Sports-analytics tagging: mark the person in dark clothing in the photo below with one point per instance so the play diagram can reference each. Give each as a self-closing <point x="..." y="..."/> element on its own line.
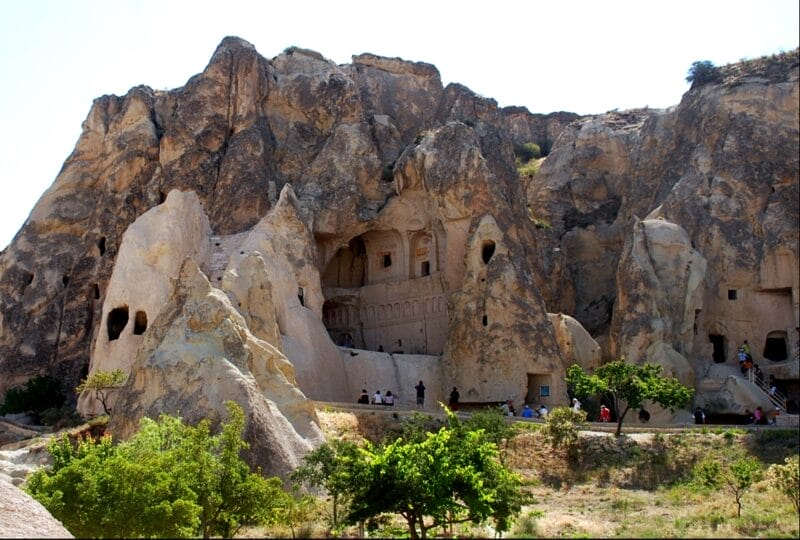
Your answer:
<point x="699" y="416"/>
<point x="420" y="388"/>
<point x="453" y="403"/>
<point x="364" y="397"/>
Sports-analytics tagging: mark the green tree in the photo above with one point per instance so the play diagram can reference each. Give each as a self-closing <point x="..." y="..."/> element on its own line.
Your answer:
<point x="452" y="476"/>
<point x="629" y="385"/>
<point x="39" y="393"/>
<point x="168" y="480"/>
<point x="333" y="466"/>
<point x="703" y="72"/>
<point x="102" y="383"/>
<point x="737" y="477"/>
<point x="786" y="479"/>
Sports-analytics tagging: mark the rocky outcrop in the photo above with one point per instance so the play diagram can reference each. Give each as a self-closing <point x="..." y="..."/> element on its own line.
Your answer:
<point x="22" y="516"/>
<point x="197" y="355"/>
<point x="367" y="206"/>
<point x="680" y="226"/>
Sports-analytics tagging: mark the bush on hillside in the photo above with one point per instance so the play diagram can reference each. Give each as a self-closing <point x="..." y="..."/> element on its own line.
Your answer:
<point x="39" y="393"/>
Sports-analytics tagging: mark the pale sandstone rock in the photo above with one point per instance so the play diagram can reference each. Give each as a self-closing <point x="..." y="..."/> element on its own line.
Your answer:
<point x="285" y="244"/>
<point x="576" y="344"/>
<point x="22" y="516"/>
<point x="152" y="252"/>
<point x="399" y="373"/>
<point x="199" y="354"/>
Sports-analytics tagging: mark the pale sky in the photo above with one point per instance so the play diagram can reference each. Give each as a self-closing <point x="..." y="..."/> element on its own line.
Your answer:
<point x="583" y="56"/>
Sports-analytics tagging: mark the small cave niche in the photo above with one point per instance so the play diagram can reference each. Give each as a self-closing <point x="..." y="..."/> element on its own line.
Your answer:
<point x="101" y="245"/>
<point x="485" y="320"/>
<point x="487" y="251"/>
<point x="718" y="342"/>
<point x="425" y="269"/>
<point x="301" y="296"/>
<point x="775" y="348"/>
<point x="386" y="260"/>
<point x="96" y="291"/>
<point x="65" y="280"/>
<point x="139" y="323"/>
<point x="731" y="294"/>
<point x="116" y="322"/>
<point x="27" y="279"/>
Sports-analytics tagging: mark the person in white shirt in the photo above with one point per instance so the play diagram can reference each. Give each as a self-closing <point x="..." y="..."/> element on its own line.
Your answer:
<point x="576" y="405"/>
<point x="543" y="412"/>
<point x="377" y="399"/>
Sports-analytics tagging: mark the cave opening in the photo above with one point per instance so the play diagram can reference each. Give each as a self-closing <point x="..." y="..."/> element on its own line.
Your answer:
<point x="719" y="343"/>
<point x="116" y="322"/>
<point x="775" y="347"/>
<point x="139" y="323"/>
<point x="487" y="251"/>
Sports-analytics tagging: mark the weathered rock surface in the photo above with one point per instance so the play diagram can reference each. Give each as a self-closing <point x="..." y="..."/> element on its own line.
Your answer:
<point x="22" y="516"/>
<point x="680" y="227"/>
<point x="368" y="206"/>
<point x="197" y="355"/>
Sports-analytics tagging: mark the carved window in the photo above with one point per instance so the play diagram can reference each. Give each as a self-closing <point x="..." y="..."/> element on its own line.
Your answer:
<point x="487" y="251"/>
<point x="117" y="321"/>
<point x="139" y="323"/>
<point x="386" y="260"/>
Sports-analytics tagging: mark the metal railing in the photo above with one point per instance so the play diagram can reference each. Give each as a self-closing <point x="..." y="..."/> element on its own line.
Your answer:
<point x="776" y="397"/>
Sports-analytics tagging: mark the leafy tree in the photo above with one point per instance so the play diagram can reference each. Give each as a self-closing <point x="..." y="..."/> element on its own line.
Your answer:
<point x="452" y="476"/>
<point x="168" y="480"/>
<point x="492" y="423"/>
<point x="629" y="384"/>
<point x="38" y="394"/>
<point x="703" y="72"/>
<point x="102" y="383"/>
<point x="333" y="467"/>
<point x="737" y="477"/>
<point x="786" y="479"/>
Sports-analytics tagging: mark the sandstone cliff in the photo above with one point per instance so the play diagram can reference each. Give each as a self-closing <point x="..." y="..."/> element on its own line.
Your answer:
<point x="368" y="207"/>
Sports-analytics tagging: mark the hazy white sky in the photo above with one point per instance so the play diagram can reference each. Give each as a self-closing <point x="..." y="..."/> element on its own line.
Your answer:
<point x="584" y="56"/>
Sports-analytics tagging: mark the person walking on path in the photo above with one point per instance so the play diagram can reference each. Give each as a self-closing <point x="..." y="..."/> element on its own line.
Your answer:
<point x="420" y="388"/>
<point x="576" y="405"/>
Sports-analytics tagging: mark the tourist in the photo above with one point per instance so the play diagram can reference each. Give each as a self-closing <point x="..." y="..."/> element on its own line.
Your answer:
<point x="420" y="388"/>
<point x="527" y="412"/>
<point x="605" y="414"/>
<point x="576" y="405"/>
<point x="364" y="397"/>
<point x="388" y="399"/>
<point x="543" y="412"/>
<point x="453" y="401"/>
<point x="760" y="417"/>
<point x="377" y="399"/>
<point x="699" y="416"/>
<point x="748" y="417"/>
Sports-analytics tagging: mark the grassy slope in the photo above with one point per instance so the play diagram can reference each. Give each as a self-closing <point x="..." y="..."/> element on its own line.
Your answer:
<point x="637" y="486"/>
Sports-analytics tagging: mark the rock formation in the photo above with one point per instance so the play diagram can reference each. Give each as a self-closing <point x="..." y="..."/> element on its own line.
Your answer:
<point x="22" y="516"/>
<point x="301" y="230"/>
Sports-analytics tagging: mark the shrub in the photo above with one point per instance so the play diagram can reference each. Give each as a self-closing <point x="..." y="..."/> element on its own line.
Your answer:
<point x="703" y="72"/>
<point x="786" y="479"/>
<point x="562" y="425"/>
<point x="39" y="393"/>
<point x="528" y="151"/>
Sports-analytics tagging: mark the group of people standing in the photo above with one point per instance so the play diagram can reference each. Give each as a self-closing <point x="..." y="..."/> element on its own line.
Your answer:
<point x="389" y="399"/>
